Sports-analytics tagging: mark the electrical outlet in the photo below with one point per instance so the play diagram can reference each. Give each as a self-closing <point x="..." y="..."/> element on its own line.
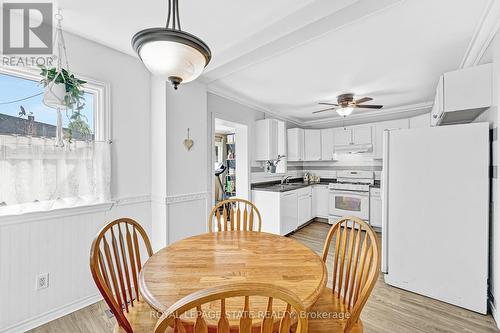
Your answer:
<point x="42" y="281"/>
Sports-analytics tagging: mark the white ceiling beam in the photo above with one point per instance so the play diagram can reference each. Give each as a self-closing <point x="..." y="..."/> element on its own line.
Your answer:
<point x="485" y="32"/>
<point x="246" y="55"/>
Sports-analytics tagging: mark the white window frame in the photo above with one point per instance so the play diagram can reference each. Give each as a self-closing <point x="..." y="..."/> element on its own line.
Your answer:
<point x="100" y="90"/>
<point x="102" y="129"/>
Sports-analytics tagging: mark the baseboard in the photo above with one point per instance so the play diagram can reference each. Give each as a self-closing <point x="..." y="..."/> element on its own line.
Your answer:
<point x="51" y="315"/>
<point x="494" y="313"/>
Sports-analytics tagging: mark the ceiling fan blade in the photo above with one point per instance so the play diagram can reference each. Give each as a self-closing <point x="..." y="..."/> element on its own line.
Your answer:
<point x="329" y="109"/>
<point x="363" y="100"/>
<point x="369" y="106"/>
<point x="322" y="103"/>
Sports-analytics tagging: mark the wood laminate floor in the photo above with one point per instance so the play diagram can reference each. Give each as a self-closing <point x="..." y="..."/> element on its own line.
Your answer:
<point x="389" y="310"/>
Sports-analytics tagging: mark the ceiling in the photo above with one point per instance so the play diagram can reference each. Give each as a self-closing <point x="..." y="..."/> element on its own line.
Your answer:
<point x="284" y="56"/>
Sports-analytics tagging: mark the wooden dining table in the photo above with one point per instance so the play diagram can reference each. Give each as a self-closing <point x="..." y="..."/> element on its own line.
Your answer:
<point x="227" y="257"/>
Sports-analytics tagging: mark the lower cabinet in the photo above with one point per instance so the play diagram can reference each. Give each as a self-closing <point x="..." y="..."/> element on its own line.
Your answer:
<point x="320" y="201"/>
<point x="283" y="213"/>
<point x="288" y="212"/>
<point x="375" y="208"/>
<point x="304" y="205"/>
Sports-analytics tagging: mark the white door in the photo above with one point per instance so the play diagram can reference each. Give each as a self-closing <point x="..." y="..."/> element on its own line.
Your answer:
<point x="295" y="140"/>
<point x="375" y="208"/>
<point x="327" y="149"/>
<point x="289" y="212"/>
<point x="342" y="136"/>
<point x="436" y="193"/>
<point x="362" y="135"/>
<point x="312" y="145"/>
<point x="320" y="201"/>
<point x="305" y="207"/>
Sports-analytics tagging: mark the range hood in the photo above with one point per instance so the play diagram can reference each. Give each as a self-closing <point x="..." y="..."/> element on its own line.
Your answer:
<point x="354" y="148"/>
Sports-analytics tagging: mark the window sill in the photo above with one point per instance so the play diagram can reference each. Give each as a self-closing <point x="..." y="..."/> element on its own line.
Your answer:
<point x="55" y="213"/>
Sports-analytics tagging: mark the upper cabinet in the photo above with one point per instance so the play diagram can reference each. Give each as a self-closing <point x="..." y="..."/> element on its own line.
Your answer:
<point x="295" y="139"/>
<point x="312" y="145"/>
<point x="462" y="95"/>
<point x="378" y="146"/>
<point x="353" y="135"/>
<point x="342" y="136"/>
<point x="327" y="144"/>
<point x="269" y="139"/>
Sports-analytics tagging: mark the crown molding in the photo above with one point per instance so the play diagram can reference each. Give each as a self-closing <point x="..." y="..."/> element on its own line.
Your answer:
<point x="486" y="29"/>
<point x="237" y="98"/>
<point x="392" y="113"/>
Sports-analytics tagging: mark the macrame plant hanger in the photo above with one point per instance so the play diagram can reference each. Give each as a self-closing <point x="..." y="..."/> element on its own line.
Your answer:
<point x="55" y="93"/>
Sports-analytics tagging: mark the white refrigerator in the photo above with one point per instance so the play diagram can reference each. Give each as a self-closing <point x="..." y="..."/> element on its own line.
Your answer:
<point x="435" y="192"/>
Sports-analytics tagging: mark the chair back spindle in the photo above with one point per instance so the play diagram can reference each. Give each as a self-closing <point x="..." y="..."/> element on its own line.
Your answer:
<point x="356" y="264"/>
<point x="234" y="214"/>
<point x="171" y="317"/>
<point x="115" y="263"/>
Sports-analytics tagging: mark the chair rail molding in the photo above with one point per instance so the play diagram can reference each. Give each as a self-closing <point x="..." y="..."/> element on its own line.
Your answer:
<point x="172" y="199"/>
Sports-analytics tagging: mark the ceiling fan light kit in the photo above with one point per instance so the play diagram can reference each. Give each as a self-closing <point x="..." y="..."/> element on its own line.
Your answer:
<point x="346" y="105"/>
<point x="170" y="52"/>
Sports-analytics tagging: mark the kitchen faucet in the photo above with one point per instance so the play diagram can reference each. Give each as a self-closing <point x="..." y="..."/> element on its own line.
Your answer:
<point x="285" y="179"/>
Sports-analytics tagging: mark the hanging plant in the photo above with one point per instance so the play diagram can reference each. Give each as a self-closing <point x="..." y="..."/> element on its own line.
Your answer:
<point x="62" y="88"/>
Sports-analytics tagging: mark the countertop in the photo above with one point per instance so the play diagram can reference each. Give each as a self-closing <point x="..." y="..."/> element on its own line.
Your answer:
<point x="294" y="184"/>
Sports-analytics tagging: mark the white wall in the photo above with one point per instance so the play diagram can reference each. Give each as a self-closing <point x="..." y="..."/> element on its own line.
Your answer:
<point x="180" y="192"/>
<point x="61" y="245"/>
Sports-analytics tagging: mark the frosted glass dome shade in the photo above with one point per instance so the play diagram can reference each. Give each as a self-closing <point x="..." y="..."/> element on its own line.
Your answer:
<point x="344" y="112"/>
<point x="172" y="54"/>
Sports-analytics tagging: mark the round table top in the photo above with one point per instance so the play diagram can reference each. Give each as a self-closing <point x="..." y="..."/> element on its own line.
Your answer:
<point x="219" y="258"/>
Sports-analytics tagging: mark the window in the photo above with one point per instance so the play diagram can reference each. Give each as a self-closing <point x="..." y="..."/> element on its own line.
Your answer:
<point x="22" y="112"/>
<point x="36" y="174"/>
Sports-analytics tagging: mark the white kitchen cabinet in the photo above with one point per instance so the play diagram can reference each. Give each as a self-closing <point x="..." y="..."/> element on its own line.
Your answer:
<point x="342" y="136"/>
<point x="295" y="139"/>
<point x="362" y="135"/>
<point x="304" y="205"/>
<point x="320" y="201"/>
<point x="312" y="145"/>
<point x="462" y="95"/>
<point x="354" y="135"/>
<point x="289" y="212"/>
<point x="378" y="145"/>
<point x="281" y="138"/>
<point x="327" y="148"/>
<point x="375" y="208"/>
<point x="266" y="140"/>
<point x="279" y="211"/>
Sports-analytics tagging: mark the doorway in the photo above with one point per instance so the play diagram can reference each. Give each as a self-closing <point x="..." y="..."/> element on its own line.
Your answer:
<point x="230" y="160"/>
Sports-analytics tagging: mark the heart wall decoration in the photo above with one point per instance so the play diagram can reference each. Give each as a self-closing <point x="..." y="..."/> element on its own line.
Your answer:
<point x="188" y="143"/>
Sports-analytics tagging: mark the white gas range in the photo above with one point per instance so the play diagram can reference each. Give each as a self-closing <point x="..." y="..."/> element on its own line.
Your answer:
<point x="350" y="195"/>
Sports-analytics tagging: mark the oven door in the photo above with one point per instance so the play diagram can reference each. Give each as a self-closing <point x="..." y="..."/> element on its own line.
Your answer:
<point x="349" y="203"/>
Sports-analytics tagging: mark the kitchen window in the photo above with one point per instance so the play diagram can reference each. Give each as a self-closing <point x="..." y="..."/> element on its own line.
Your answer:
<point x="36" y="172"/>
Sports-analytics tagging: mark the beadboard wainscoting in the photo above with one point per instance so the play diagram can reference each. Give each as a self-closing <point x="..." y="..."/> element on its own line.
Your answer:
<point x="57" y="243"/>
<point x="178" y="216"/>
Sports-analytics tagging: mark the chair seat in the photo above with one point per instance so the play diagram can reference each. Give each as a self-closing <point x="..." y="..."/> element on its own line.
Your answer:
<point x="329" y="314"/>
<point x="141" y="317"/>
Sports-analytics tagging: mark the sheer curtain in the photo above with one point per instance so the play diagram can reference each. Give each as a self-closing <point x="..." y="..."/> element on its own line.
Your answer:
<point x="35" y="175"/>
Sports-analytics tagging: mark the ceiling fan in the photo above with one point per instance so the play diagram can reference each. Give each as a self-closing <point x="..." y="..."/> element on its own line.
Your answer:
<point x="346" y="104"/>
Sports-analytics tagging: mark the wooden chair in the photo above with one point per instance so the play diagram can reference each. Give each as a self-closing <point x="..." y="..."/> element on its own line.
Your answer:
<point x="273" y="320"/>
<point x="228" y="215"/>
<point x="115" y="263"/>
<point x="356" y="267"/>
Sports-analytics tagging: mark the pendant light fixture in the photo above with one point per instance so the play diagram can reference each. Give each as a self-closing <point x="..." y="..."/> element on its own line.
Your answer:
<point x="170" y="52"/>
